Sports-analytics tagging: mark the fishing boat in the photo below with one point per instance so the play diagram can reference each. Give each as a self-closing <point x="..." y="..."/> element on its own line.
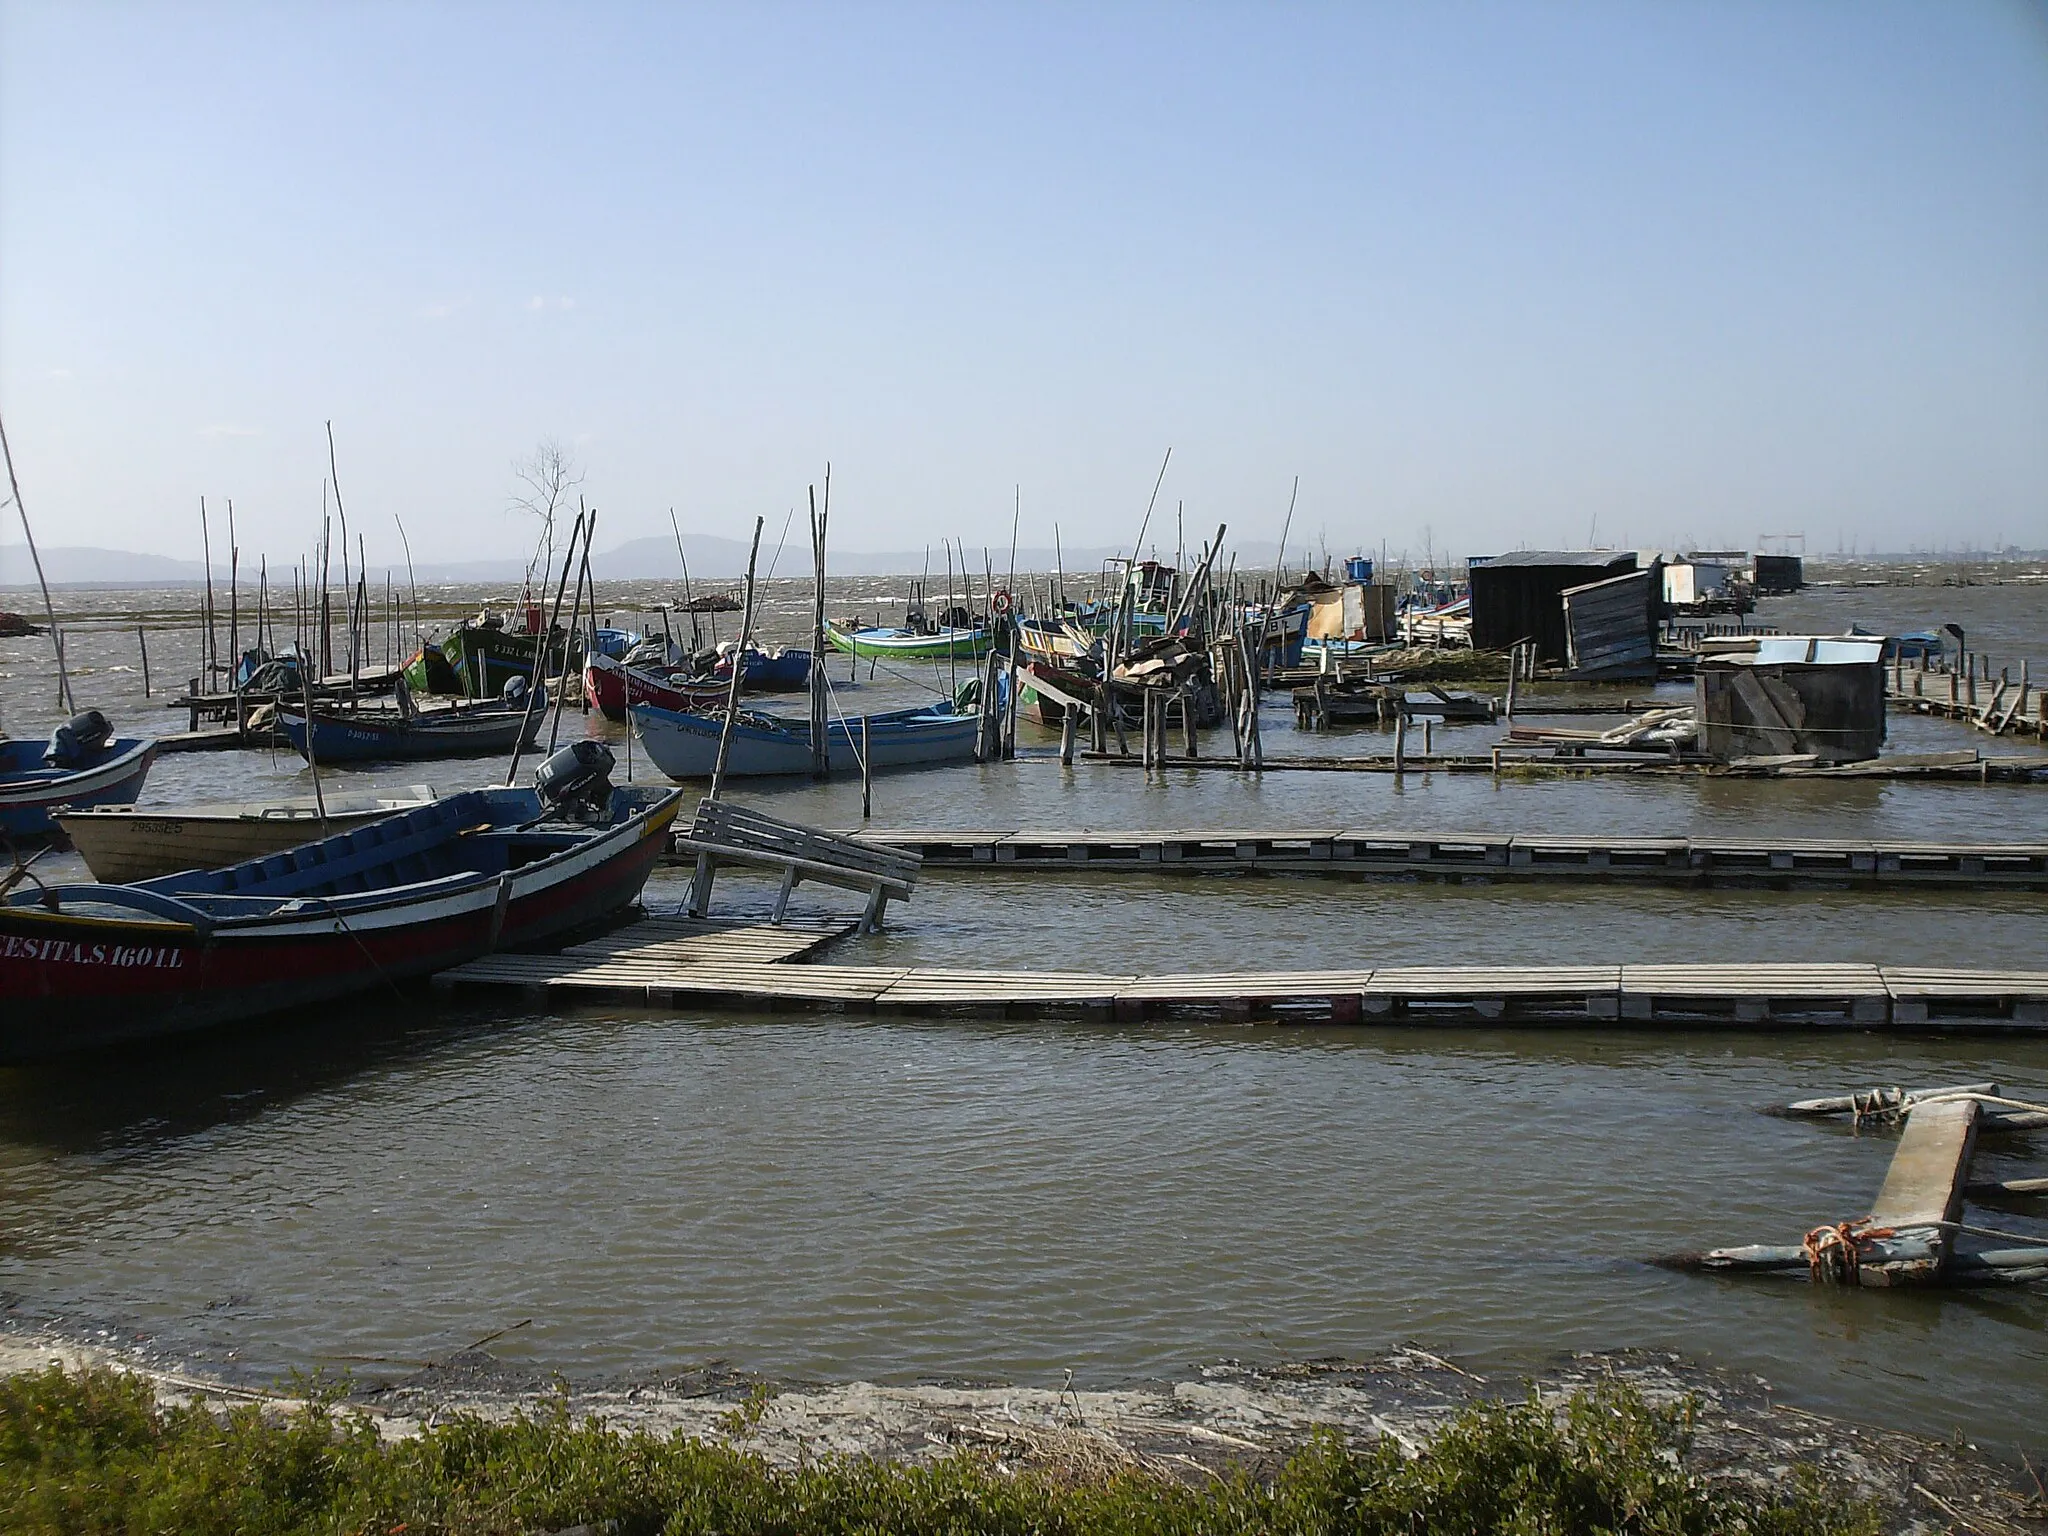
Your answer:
<point x="483" y="655"/>
<point x="394" y="736"/>
<point x="685" y="746"/>
<point x="956" y="642"/>
<point x="95" y="965"/>
<point x="85" y="764"/>
<point x="121" y="843"/>
<point x="787" y="669"/>
<point x="606" y="684"/>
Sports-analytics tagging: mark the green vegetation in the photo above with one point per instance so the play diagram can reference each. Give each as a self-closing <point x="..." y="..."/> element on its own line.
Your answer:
<point x="90" y="1452"/>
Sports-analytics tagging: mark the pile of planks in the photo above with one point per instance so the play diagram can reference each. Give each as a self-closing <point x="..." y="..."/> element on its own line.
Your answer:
<point x="1658" y="730"/>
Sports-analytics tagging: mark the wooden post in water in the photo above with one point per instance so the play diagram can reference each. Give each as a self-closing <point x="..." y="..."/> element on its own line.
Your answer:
<point x="821" y="745"/>
<point x="1189" y="726"/>
<point x="142" y="641"/>
<point x="210" y="661"/>
<point x="536" y="686"/>
<point x="732" y="693"/>
<point x="1400" y="740"/>
<point x="1068" y="730"/>
<point x="64" y="696"/>
<point x="1428" y="738"/>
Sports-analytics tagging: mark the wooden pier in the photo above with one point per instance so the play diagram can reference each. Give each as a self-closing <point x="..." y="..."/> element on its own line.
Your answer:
<point x="1484" y="856"/>
<point x="670" y="961"/>
<point x="1909" y="1237"/>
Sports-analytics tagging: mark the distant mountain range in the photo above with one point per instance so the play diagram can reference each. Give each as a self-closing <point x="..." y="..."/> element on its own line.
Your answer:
<point x="649" y="559"/>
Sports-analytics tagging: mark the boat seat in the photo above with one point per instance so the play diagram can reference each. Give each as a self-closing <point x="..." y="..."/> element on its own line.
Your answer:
<point x="736" y="834"/>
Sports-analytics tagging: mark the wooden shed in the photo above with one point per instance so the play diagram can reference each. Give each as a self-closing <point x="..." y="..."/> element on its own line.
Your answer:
<point x="1610" y="628"/>
<point x="1520" y="595"/>
<point x="1793" y="695"/>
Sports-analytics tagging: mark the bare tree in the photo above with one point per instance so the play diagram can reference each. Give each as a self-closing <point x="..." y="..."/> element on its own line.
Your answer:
<point x="547" y="478"/>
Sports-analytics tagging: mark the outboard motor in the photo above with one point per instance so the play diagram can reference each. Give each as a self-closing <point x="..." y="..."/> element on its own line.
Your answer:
<point x="78" y="740"/>
<point x="577" y="780"/>
<point x="514" y="691"/>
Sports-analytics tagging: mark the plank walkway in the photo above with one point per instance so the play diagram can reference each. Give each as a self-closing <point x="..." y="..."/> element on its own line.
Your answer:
<point x="669" y="960"/>
<point x="1478" y="855"/>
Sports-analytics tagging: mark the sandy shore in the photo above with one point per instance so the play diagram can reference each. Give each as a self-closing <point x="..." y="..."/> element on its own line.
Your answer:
<point x="1227" y="1414"/>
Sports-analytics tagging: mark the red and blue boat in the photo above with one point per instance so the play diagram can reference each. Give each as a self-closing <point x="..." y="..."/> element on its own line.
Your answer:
<point x="95" y="965"/>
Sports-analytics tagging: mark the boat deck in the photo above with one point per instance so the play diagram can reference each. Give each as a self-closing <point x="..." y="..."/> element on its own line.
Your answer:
<point x="667" y="961"/>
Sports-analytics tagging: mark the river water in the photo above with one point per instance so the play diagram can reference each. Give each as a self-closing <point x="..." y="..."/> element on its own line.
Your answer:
<point x="810" y="1196"/>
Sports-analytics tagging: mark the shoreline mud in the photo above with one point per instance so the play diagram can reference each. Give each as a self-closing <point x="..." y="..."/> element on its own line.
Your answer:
<point x="1220" y="1417"/>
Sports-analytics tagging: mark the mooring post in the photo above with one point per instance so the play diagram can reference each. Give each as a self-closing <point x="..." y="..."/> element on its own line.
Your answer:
<point x="142" y="640"/>
<point x="1067" y="734"/>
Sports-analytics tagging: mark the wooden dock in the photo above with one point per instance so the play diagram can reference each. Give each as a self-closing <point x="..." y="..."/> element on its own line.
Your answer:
<point x="1483" y="856"/>
<point x="1909" y="1237"/>
<point x="668" y="961"/>
<point x="1543" y="761"/>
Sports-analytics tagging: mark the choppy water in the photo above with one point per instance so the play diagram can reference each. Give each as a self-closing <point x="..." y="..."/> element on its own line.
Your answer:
<point x="850" y="1197"/>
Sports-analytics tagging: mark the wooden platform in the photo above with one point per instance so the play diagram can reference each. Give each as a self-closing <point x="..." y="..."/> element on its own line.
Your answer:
<point x="665" y="961"/>
<point x="1487" y="856"/>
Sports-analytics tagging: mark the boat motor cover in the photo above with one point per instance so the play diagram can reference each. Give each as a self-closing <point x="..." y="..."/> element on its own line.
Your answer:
<point x="577" y="776"/>
<point x="78" y="740"/>
<point x="514" y="691"/>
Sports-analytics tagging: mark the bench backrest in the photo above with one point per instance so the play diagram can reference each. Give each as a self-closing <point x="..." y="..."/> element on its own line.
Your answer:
<point x="740" y="826"/>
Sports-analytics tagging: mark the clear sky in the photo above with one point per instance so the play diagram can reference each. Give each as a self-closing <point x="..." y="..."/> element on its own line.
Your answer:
<point x="1515" y="274"/>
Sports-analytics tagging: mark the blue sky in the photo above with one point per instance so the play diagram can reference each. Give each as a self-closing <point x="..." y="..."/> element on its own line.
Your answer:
<point x="1489" y="274"/>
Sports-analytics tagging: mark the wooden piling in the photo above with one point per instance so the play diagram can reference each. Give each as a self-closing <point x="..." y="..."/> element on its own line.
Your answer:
<point x="142" y="641"/>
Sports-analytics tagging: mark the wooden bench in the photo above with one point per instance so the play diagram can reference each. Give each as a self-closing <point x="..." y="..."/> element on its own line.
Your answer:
<point x="738" y="834"/>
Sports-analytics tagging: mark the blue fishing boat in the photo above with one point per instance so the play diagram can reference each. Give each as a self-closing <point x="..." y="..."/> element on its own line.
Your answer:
<point x="685" y="746"/>
<point x="784" y="670"/>
<point x="393" y="737"/>
<point x="83" y="764"/>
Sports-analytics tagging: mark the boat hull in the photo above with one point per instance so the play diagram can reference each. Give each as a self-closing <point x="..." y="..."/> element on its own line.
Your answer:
<point x="947" y="644"/>
<point x="605" y="684"/>
<point x="30" y="793"/>
<point x="685" y="746"/>
<point x="74" y="982"/>
<point x="358" y="739"/>
<point x="120" y="844"/>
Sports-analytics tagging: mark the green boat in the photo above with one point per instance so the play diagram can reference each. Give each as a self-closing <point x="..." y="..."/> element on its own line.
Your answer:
<point x="478" y="660"/>
<point x="911" y="644"/>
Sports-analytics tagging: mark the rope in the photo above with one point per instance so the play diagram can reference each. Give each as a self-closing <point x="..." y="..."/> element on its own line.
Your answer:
<point x="1888" y="1105"/>
<point x="1834" y="1254"/>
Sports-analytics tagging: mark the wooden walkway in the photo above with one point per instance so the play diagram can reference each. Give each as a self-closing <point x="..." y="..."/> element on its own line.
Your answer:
<point x="1487" y="856"/>
<point x="669" y="961"/>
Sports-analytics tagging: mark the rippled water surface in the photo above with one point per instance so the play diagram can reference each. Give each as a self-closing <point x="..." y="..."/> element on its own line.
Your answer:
<point x="841" y="1197"/>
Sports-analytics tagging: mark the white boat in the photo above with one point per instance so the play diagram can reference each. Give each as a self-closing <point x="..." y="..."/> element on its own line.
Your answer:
<point x="121" y="843"/>
<point x="685" y="746"/>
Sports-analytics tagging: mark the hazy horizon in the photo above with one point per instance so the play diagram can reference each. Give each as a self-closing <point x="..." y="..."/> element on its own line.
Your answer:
<point x="1482" y="276"/>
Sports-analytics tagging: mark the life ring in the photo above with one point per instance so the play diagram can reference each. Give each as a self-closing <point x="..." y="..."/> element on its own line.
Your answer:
<point x="1001" y="604"/>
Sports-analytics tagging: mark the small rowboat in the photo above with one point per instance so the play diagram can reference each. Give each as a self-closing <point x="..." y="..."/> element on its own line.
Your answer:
<point x="414" y="893"/>
<point x="910" y="644"/>
<point x="371" y="738"/>
<point x="606" y="683"/>
<point x="685" y="746"/>
<point x="120" y="843"/>
<point x="31" y="789"/>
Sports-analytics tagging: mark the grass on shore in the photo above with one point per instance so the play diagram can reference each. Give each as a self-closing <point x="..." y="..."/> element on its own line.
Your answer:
<point x="89" y="1452"/>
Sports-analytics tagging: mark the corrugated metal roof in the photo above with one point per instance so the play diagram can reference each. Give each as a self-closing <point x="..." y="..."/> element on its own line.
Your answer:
<point x="1819" y="650"/>
<point x="1595" y="559"/>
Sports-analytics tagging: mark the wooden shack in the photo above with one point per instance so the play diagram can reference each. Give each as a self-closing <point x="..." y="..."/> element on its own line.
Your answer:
<point x="1792" y="695"/>
<point x="1777" y="575"/>
<point x="1611" y="628"/>
<point x="1355" y="611"/>
<point x="1520" y="595"/>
